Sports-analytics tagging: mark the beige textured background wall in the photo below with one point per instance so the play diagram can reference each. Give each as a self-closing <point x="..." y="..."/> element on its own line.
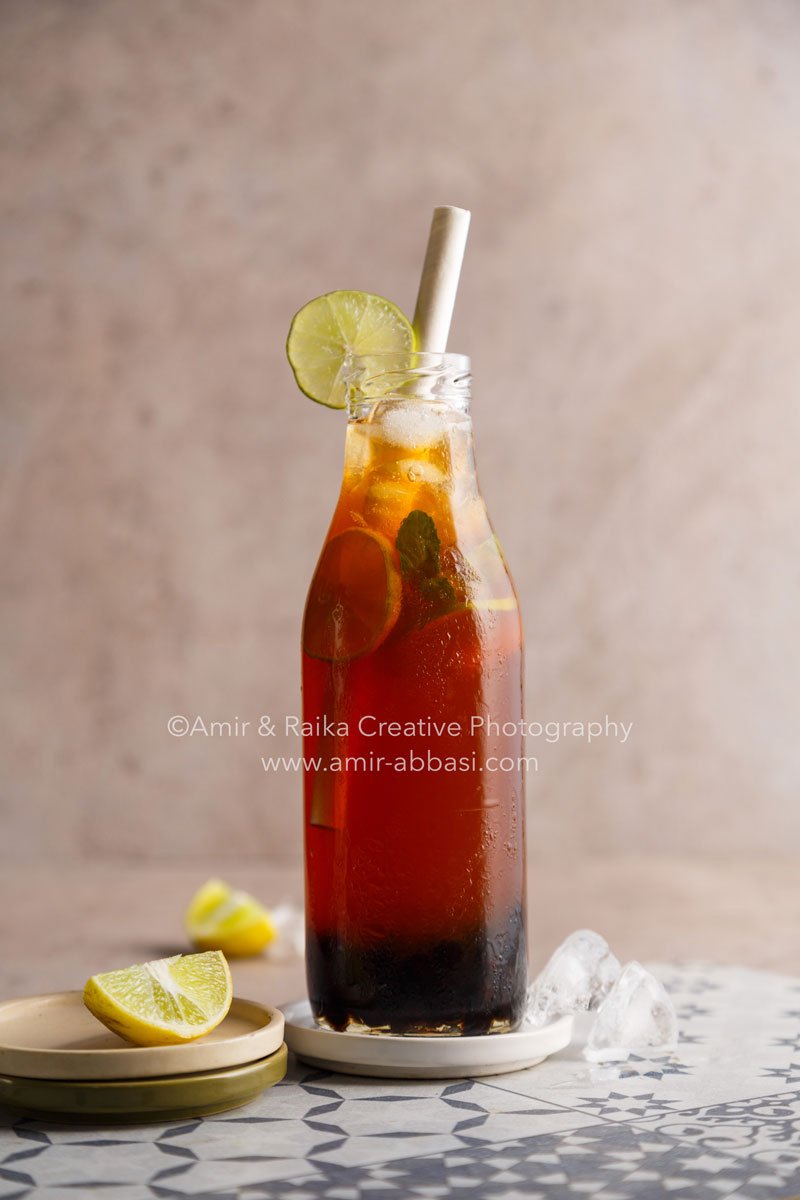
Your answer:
<point x="177" y="178"/>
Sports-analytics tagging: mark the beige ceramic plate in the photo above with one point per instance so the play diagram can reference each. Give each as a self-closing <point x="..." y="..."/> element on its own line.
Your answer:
<point x="56" y="1037"/>
<point x="111" y="1101"/>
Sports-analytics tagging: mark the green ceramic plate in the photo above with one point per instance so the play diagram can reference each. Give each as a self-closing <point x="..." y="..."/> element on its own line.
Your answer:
<point x="172" y="1097"/>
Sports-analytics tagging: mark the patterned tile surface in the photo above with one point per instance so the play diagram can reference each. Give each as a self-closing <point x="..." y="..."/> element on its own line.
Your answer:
<point x="719" y="1119"/>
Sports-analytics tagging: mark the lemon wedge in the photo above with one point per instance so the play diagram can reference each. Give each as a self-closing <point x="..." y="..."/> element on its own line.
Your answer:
<point x="220" y="917"/>
<point x="162" y="1002"/>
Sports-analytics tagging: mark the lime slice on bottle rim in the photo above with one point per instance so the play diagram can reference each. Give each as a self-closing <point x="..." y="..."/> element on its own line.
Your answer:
<point x="329" y="331"/>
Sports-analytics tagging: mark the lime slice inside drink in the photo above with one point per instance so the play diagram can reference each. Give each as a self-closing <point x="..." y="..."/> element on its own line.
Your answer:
<point x="354" y="599"/>
<point x="328" y="332"/>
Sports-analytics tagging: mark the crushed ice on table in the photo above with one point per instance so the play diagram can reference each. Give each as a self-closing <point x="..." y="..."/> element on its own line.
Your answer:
<point x="577" y="977"/>
<point x="290" y="927"/>
<point x="637" y="1014"/>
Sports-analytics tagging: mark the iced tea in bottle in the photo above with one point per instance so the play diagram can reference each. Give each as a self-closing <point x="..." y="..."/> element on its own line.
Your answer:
<point x="412" y="698"/>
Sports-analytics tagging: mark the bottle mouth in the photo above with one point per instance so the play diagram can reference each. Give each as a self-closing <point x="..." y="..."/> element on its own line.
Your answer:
<point x="408" y="375"/>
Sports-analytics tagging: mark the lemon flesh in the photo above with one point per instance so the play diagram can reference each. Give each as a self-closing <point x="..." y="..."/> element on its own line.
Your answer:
<point x="163" y="1002"/>
<point x="220" y="917"/>
<point x="328" y="332"/>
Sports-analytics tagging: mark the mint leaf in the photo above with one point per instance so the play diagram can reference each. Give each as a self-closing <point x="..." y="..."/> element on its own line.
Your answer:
<point x="418" y="546"/>
<point x="419" y="549"/>
<point x="439" y="591"/>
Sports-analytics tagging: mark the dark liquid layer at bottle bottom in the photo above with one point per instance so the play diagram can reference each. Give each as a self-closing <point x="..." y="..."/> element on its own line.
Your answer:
<point x="470" y="985"/>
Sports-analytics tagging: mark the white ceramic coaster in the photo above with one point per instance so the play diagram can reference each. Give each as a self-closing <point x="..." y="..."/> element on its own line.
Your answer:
<point x="391" y="1057"/>
<point x="56" y="1037"/>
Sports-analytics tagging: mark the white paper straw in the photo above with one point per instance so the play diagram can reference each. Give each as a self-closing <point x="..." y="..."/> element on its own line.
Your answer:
<point x="440" y="274"/>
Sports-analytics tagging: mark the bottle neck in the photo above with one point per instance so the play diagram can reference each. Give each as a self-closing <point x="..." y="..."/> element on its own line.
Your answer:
<point x="413" y="443"/>
<point x="409" y="442"/>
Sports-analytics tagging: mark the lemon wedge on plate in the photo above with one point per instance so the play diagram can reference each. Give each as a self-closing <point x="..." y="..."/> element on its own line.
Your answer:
<point x="162" y="1002"/>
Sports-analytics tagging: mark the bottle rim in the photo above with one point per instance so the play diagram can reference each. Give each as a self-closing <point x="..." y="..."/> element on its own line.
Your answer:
<point x="408" y="375"/>
<point x="414" y="359"/>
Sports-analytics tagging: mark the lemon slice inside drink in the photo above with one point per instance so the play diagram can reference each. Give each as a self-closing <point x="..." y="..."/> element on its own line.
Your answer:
<point x="163" y="1002"/>
<point x="328" y="332"/>
<point x="220" y="917"/>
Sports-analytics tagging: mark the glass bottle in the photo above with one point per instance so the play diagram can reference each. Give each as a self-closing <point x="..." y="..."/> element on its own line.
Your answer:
<point x="412" y="703"/>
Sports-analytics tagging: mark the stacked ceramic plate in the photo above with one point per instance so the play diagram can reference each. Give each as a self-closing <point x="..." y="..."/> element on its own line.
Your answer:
<point x="56" y="1059"/>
